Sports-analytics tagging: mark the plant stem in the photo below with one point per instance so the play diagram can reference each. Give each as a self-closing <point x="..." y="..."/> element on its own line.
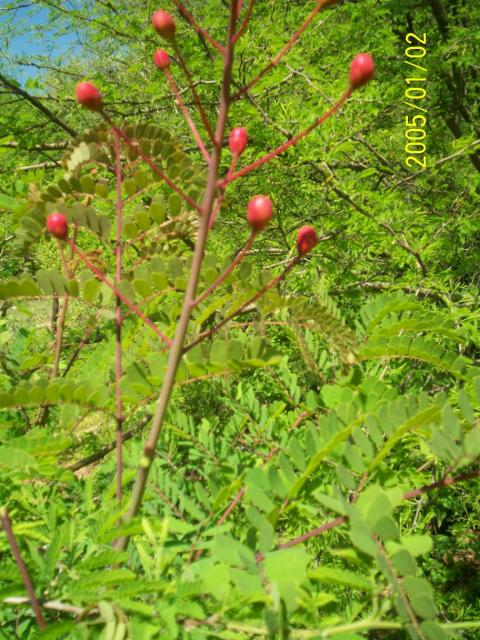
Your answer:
<point x="444" y="482"/>
<point x="221" y="196"/>
<point x="195" y="95"/>
<point x="61" y="317"/>
<point x="176" y="350"/>
<point x="7" y="526"/>
<point x="153" y="166"/>
<point x="245" y="21"/>
<point x="260" y="292"/>
<point x="397" y="586"/>
<point x="119" y="417"/>
<point x="43" y="412"/>
<point x="289" y="143"/>
<point x="104" y="451"/>
<point x="186" y="115"/>
<point x="320" y="4"/>
<point x="188" y="16"/>
<point x="239" y="495"/>
<point x="238" y="259"/>
<point x="133" y="307"/>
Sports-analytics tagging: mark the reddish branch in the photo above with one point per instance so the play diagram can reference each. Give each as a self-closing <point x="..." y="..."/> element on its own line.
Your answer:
<point x="119" y="417"/>
<point x="221" y="196"/>
<point x="222" y="277"/>
<point x="444" y="482"/>
<point x="320" y="4"/>
<point x="22" y="567"/>
<point x="43" y="412"/>
<point x="289" y="143"/>
<point x="188" y="16"/>
<point x="176" y="350"/>
<point x="61" y="318"/>
<point x="238" y="497"/>
<point x="195" y="95"/>
<point x="133" y="307"/>
<point x="245" y="21"/>
<point x="153" y="166"/>
<point x="256" y="296"/>
<point x="186" y="115"/>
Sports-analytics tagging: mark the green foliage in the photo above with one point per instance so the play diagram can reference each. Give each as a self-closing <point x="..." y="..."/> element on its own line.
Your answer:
<point x="317" y="471"/>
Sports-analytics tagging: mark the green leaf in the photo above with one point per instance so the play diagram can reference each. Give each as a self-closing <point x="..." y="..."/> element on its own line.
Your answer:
<point x="433" y="631"/>
<point x="7" y="203"/>
<point x="174" y="204"/>
<point x="15" y="458"/>
<point x="420" y="594"/>
<point x="361" y="537"/>
<point x="404" y="563"/>
<point x="417" y="545"/>
<point x="333" y="575"/>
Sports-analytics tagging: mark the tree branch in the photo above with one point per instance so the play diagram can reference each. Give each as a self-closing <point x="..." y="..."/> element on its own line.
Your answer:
<point x="38" y="105"/>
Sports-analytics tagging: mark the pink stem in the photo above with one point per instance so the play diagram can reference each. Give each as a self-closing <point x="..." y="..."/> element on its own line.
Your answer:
<point x="186" y="115"/>
<point x="74" y="239"/>
<point x="445" y="482"/>
<point x="245" y="21"/>
<point x="233" y="164"/>
<point x="221" y="197"/>
<point x="61" y="318"/>
<point x="331" y="524"/>
<point x="118" y="321"/>
<point x="188" y="16"/>
<point x="22" y="567"/>
<point x="176" y="351"/>
<point x="133" y="307"/>
<point x="195" y="95"/>
<point x="289" y="143"/>
<point x="154" y="167"/>
<point x="269" y="285"/>
<point x="320" y="4"/>
<point x="238" y="259"/>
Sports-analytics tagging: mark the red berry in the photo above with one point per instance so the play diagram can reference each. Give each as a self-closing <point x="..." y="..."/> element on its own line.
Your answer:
<point x="164" y="24"/>
<point x="238" y="140"/>
<point x="259" y="212"/>
<point x="306" y="239"/>
<point x="57" y="225"/>
<point x="89" y="96"/>
<point x="362" y="70"/>
<point x="161" y="59"/>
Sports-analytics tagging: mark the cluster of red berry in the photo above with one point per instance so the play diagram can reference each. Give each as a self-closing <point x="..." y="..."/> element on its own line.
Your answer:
<point x="260" y="208"/>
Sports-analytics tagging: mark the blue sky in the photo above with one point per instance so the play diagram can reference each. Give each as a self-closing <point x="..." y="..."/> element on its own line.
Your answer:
<point x="27" y="44"/>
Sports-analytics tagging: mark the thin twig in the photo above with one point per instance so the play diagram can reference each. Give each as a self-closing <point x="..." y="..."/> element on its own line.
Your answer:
<point x="38" y="105"/>
<point x="320" y="4"/>
<point x="22" y="567"/>
<point x="188" y="16"/>
<point x="221" y="196"/>
<point x="193" y="90"/>
<point x="222" y="277"/>
<point x="153" y="166"/>
<point x="133" y="307"/>
<point x="186" y="115"/>
<point x="256" y="296"/>
<point x="245" y="21"/>
<point x="445" y="482"/>
<point x="104" y="451"/>
<point x="289" y="143"/>
<point x="119" y="417"/>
